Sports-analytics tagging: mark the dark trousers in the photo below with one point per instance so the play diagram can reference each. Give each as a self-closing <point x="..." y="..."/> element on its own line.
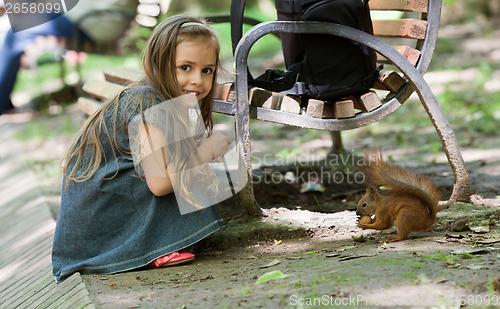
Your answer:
<point x="14" y="46"/>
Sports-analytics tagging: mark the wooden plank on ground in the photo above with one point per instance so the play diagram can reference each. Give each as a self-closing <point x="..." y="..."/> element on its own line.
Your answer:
<point x="26" y="293"/>
<point x="54" y="290"/>
<point x="26" y="279"/>
<point x="400" y="5"/>
<point x="21" y="283"/>
<point x="75" y="296"/>
<point x="406" y="28"/>
<point x="18" y="253"/>
<point x="60" y="292"/>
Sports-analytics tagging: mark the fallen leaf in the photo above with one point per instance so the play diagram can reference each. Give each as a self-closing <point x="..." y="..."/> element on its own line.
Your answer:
<point x="360" y="238"/>
<point x="479" y="200"/>
<point x="277" y="242"/>
<point x="496" y="284"/>
<point x="333" y="255"/>
<point x="352" y="257"/>
<point x="480" y="229"/>
<point x="467" y="254"/>
<point x="272" y="275"/>
<point x="475" y="267"/>
<point x="311" y="186"/>
<point x="441" y="241"/>
<point x="270" y="264"/>
<point x="346" y="248"/>
<point x="488" y="241"/>
<point x="454" y="236"/>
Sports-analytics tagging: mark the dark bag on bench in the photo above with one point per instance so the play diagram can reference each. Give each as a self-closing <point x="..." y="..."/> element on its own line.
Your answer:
<point x="322" y="66"/>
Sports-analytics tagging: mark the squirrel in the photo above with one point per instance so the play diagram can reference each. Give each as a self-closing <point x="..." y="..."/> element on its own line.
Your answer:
<point x="397" y="194"/>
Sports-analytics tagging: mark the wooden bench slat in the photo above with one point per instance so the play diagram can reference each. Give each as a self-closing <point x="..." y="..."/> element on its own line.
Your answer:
<point x="315" y="108"/>
<point x="257" y="96"/>
<point x="411" y="54"/>
<point x="145" y="21"/>
<point x="102" y="89"/>
<point x="122" y="76"/>
<point x="223" y="91"/>
<point x="406" y="28"/>
<point x="367" y="102"/>
<point x="290" y="104"/>
<point x="421" y="6"/>
<point x="392" y="81"/>
<point x="340" y="109"/>
<point x="148" y="9"/>
<point x="88" y="106"/>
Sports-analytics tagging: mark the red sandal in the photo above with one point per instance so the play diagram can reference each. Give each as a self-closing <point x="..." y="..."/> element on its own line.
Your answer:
<point x="174" y="258"/>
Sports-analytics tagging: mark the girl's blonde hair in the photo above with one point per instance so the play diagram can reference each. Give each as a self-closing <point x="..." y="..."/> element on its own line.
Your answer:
<point x="85" y="156"/>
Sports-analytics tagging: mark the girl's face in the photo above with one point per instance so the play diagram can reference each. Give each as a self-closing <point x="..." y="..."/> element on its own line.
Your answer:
<point x="195" y="63"/>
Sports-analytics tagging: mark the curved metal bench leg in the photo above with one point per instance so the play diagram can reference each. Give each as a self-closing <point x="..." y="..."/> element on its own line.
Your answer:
<point x="242" y="118"/>
<point x="461" y="186"/>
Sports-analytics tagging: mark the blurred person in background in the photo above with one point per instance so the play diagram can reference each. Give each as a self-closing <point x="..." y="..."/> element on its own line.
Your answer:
<point x="90" y="20"/>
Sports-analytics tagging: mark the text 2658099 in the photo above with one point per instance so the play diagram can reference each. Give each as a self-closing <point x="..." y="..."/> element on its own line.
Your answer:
<point x="33" y="8"/>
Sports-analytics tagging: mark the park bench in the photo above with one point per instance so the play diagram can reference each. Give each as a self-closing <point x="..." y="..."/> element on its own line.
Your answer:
<point x="53" y="49"/>
<point x="406" y="44"/>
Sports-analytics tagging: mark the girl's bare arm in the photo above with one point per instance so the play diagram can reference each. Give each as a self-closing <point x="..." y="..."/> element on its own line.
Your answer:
<point x="155" y="161"/>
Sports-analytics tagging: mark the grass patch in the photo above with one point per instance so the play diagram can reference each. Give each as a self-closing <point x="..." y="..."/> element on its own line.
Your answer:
<point x="40" y="128"/>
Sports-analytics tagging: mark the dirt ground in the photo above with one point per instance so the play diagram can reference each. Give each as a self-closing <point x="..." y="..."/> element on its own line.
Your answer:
<point x="316" y="263"/>
<point x="305" y="245"/>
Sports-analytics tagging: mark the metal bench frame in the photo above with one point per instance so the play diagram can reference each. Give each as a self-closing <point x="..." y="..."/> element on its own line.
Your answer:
<point x="415" y="82"/>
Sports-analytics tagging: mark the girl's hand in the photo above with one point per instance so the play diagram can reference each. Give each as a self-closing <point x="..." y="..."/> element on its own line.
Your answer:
<point x="214" y="147"/>
<point x="220" y="144"/>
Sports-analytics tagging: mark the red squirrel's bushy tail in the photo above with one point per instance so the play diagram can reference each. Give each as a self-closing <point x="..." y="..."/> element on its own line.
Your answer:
<point x="380" y="173"/>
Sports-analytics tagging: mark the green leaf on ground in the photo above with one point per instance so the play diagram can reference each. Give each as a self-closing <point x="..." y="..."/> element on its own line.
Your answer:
<point x="272" y="275"/>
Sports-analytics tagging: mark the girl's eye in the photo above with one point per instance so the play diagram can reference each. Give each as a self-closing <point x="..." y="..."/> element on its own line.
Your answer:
<point x="186" y="68"/>
<point x="207" y="71"/>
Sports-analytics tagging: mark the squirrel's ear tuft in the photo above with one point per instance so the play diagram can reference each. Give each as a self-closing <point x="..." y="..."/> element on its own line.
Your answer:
<point x="372" y="191"/>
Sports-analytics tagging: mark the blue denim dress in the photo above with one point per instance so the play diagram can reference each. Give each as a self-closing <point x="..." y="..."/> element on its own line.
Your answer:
<point x="109" y="226"/>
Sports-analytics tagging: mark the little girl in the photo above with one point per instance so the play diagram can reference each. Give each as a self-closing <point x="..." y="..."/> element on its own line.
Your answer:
<point x="112" y="219"/>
